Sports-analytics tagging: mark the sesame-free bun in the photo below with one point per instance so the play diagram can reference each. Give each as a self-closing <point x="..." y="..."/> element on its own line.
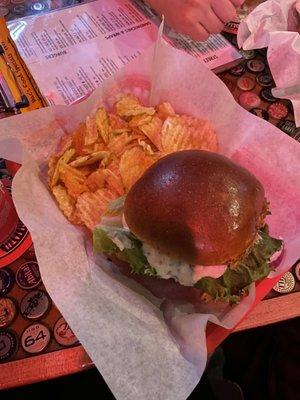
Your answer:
<point x="196" y="206"/>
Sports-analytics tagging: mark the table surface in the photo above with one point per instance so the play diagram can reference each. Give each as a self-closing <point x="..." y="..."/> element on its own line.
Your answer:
<point x="75" y="359"/>
<point x="68" y="361"/>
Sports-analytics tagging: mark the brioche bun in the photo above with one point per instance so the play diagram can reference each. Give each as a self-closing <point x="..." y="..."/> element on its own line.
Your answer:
<point x="196" y="206"/>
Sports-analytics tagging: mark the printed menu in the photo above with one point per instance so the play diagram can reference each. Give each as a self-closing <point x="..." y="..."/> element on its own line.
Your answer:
<point x="72" y="51"/>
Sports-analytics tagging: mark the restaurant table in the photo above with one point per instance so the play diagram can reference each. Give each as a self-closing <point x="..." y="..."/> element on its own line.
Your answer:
<point x="272" y="309"/>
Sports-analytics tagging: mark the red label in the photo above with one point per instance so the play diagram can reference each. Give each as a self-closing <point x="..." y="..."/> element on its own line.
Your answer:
<point x="14" y="236"/>
<point x="12" y="167"/>
<point x="231" y="27"/>
<point x="8" y="215"/>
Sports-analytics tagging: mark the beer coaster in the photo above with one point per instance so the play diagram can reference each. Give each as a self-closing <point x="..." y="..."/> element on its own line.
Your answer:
<point x="16" y="244"/>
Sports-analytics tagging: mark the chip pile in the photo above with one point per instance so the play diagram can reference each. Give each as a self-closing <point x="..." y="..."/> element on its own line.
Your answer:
<point x="108" y="153"/>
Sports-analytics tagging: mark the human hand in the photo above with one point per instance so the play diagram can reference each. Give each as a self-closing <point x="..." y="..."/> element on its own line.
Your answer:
<point x="197" y="18"/>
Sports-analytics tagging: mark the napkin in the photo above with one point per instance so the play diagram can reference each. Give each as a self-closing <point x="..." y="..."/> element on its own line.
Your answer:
<point x="276" y="24"/>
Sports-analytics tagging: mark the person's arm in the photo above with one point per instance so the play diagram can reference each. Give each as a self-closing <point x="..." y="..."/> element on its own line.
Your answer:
<point x="196" y="18"/>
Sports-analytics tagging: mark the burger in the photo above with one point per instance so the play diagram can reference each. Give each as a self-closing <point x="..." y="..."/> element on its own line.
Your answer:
<point x="195" y="217"/>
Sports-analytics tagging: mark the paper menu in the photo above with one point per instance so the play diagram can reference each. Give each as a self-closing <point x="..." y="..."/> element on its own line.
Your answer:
<point x="72" y="51"/>
<point x="217" y="53"/>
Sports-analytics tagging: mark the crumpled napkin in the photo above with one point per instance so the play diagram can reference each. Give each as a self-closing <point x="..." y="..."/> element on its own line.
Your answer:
<point x="276" y="24"/>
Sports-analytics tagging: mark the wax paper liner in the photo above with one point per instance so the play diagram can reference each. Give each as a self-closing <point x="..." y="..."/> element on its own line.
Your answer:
<point x="145" y="347"/>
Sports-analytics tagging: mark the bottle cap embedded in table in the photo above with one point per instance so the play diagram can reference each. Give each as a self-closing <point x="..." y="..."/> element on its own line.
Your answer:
<point x="237" y="71"/>
<point x="249" y="100"/>
<point x="8" y="311"/>
<point x="8" y="344"/>
<point x="7" y="279"/>
<point x="35" y="338"/>
<point x="248" y="54"/>
<point x="35" y="304"/>
<point x="246" y="83"/>
<point x="278" y="110"/>
<point x="28" y="275"/>
<point x="285" y="284"/>
<point x="256" y="65"/>
<point x="265" y="80"/>
<point x="267" y="96"/>
<point x="63" y="333"/>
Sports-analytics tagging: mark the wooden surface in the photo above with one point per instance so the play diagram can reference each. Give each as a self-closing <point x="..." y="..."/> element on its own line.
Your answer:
<point x="69" y="361"/>
<point x="272" y="311"/>
<point x="43" y="367"/>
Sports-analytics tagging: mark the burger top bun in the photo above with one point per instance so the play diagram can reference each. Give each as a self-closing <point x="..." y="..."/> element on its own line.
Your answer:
<point x="196" y="206"/>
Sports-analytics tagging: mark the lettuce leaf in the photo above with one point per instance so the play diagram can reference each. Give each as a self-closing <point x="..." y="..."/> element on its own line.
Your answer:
<point x="116" y="207"/>
<point x="113" y="239"/>
<point x="132" y="254"/>
<point x="235" y="282"/>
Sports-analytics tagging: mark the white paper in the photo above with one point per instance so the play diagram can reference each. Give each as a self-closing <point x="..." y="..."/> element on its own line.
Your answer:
<point x="72" y="51"/>
<point x="276" y="24"/>
<point x="124" y="328"/>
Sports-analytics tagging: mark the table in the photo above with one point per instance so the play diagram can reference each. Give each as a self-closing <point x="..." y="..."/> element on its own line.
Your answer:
<point x="75" y="359"/>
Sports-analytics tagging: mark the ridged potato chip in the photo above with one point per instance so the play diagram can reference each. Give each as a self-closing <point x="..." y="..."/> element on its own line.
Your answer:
<point x="65" y="202"/>
<point x="89" y="159"/>
<point x="114" y="182"/>
<point x="91" y="133"/>
<point x="74" y="180"/>
<point x="96" y="180"/>
<point x="148" y="125"/>
<point x="165" y="110"/>
<point x="116" y="123"/>
<point x="153" y="131"/>
<point x="134" y="162"/>
<point x="54" y="167"/>
<point x="93" y="148"/>
<point x="146" y="146"/>
<point x="78" y="139"/>
<point x="86" y="170"/>
<point x="186" y="133"/>
<point x="119" y="144"/>
<point x="129" y="106"/>
<point x="139" y="120"/>
<point x="90" y="207"/>
<point x="108" y="153"/>
<point x="102" y="121"/>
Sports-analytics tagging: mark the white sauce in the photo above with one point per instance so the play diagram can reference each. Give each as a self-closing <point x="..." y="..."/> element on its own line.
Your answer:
<point x="167" y="267"/>
<point x="180" y="271"/>
<point x="121" y="242"/>
<point x="119" y="238"/>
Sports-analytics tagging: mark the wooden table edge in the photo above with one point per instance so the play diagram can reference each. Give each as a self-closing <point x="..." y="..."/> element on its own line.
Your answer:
<point x="68" y="361"/>
<point x="270" y="311"/>
<point x="43" y="367"/>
